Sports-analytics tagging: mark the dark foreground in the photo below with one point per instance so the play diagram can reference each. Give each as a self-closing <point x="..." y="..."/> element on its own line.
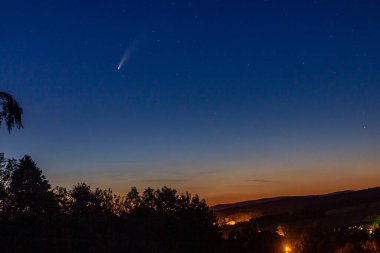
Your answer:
<point x="36" y="218"/>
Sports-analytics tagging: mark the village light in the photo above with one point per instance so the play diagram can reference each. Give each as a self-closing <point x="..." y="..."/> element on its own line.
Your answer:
<point x="287" y="249"/>
<point x="231" y="223"/>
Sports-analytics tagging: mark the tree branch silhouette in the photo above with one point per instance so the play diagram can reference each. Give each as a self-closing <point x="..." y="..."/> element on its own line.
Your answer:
<point x="11" y="112"/>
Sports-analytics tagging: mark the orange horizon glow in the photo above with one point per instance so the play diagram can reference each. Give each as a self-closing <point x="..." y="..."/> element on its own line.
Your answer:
<point x="241" y="194"/>
<point x="231" y="199"/>
<point x="220" y="184"/>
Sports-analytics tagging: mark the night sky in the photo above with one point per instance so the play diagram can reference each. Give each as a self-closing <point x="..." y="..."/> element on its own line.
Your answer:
<point x="233" y="100"/>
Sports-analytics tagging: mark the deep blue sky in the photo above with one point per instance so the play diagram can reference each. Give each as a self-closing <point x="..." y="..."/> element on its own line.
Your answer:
<point x="230" y="99"/>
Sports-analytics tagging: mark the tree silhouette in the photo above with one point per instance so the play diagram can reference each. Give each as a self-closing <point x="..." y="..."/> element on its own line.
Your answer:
<point x="133" y="200"/>
<point x="86" y="202"/>
<point x="82" y="199"/>
<point x="28" y="190"/>
<point x="164" y="221"/>
<point x="4" y="182"/>
<point x="11" y="112"/>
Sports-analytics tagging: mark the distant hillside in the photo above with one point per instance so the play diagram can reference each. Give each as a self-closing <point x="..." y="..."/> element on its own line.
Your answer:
<point x="336" y="208"/>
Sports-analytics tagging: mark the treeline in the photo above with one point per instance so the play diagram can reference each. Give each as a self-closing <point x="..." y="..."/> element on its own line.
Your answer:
<point x="36" y="218"/>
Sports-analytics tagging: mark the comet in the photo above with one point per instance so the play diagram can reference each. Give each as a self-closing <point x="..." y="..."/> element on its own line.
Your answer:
<point x="127" y="54"/>
<point x="124" y="58"/>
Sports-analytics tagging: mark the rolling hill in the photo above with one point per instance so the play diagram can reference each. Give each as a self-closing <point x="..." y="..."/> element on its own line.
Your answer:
<point x="334" y="209"/>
